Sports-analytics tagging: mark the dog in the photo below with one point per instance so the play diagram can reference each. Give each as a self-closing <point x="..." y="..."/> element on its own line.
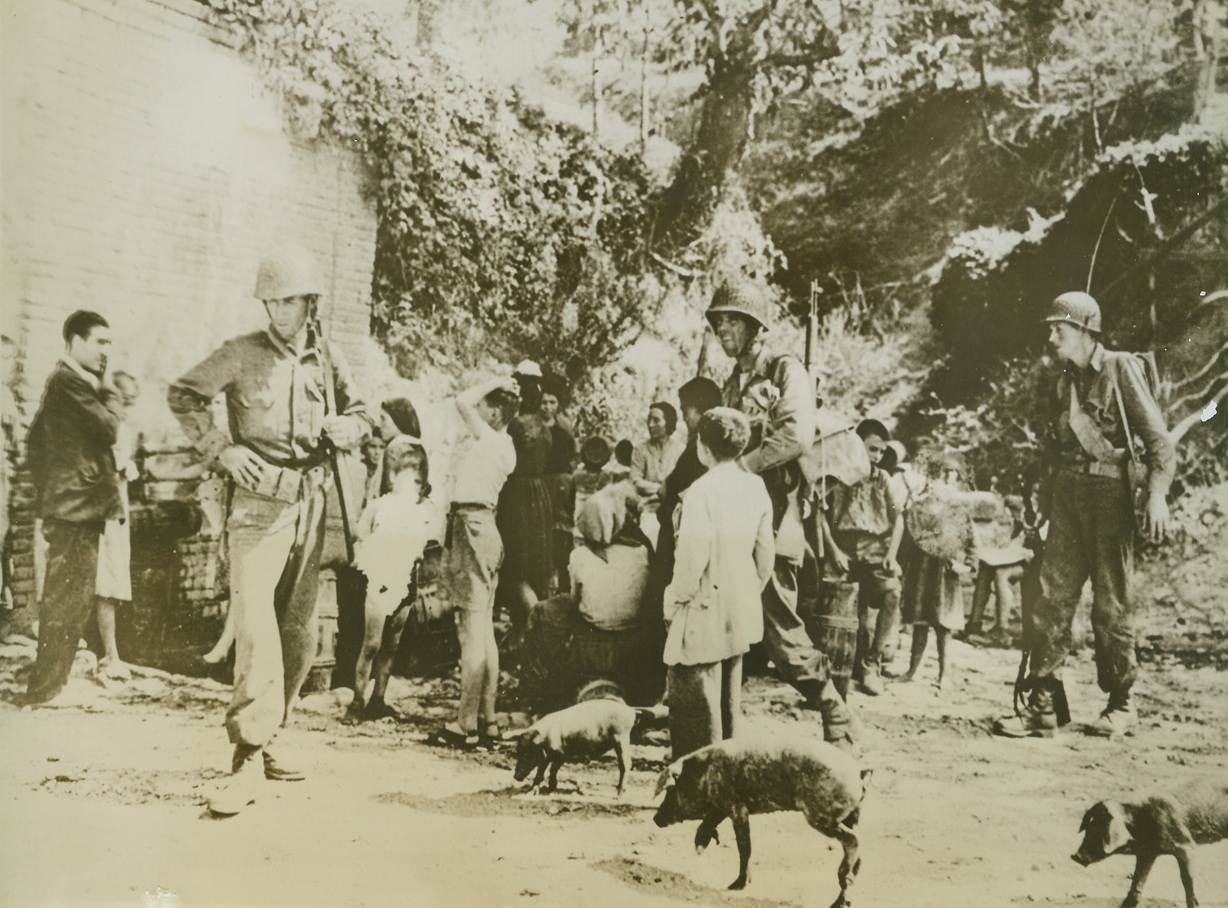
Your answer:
<point x="740" y="777"/>
<point x="586" y="730"/>
<point x="1194" y="814"/>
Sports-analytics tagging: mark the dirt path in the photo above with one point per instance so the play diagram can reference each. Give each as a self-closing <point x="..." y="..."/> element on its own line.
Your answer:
<point x="103" y="803"/>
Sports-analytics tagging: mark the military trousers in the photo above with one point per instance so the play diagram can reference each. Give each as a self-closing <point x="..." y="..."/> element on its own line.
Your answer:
<point x="274" y="548"/>
<point x="1091" y="535"/>
<point x="785" y="640"/>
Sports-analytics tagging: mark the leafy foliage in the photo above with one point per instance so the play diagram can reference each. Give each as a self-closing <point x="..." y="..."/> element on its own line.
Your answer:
<point x="492" y="218"/>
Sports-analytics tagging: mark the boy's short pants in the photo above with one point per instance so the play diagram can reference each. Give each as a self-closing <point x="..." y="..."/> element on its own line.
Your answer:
<point x="475" y="553"/>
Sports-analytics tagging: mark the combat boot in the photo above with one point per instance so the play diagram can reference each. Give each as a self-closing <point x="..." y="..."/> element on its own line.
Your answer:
<point x="838" y="725"/>
<point x="1037" y="719"/>
<point x="243" y="786"/>
<point x="277" y="771"/>
<point x="1118" y="718"/>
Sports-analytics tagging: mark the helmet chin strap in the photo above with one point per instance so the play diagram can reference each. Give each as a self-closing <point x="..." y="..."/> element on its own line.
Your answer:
<point x="753" y="343"/>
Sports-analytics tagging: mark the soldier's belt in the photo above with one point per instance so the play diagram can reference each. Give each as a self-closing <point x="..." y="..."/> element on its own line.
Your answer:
<point x="289" y="483"/>
<point x="1096" y="468"/>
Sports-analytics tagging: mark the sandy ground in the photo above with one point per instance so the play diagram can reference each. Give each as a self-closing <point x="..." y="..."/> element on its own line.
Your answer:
<point x="103" y="803"/>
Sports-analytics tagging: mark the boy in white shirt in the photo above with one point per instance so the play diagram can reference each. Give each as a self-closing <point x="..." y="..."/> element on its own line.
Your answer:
<point x="713" y="608"/>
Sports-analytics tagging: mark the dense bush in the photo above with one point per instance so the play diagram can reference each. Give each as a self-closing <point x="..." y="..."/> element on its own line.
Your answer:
<point x="500" y="231"/>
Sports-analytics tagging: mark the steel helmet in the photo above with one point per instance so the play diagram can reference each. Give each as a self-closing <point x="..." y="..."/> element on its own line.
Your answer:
<point x="288" y="272"/>
<point x="739" y="297"/>
<point x="1076" y="308"/>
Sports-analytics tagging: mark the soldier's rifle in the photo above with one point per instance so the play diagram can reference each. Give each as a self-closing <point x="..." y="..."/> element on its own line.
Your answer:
<point x="330" y="407"/>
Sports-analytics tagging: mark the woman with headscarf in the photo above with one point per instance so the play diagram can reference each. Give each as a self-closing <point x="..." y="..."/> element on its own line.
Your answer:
<point x="609" y="573"/>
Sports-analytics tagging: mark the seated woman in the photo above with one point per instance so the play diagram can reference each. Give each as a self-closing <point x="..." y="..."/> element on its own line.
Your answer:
<point x="595" y="631"/>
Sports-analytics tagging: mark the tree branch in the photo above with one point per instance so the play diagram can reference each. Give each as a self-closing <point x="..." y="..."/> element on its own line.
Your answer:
<point x="1204" y="370"/>
<point x="1166" y="249"/>
<point x="1197" y="395"/>
<point x="1181" y="429"/>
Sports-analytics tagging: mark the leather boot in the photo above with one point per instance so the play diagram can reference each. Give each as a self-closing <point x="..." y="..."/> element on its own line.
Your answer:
<point x="838" y="726"/>
<point x="1038" y="718"/>
<point x="1118" y="718"/>
<point x="277" y="771"/>
<point x="243" y="786"/>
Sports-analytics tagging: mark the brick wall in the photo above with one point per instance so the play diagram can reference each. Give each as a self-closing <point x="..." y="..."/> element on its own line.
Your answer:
<point x="145" y="169"/>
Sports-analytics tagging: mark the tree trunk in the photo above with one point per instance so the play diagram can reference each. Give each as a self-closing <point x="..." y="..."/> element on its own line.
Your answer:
<point x="684" y="209"/>
<point x="430" y="14"/>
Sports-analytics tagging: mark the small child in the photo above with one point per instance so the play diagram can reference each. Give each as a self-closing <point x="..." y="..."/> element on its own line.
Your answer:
<point x="392" y="534"/>
<point x="713" y="611"/>
<point x="939" y="523"/>
<point x="114" y="580"/>
<point x="864" y="527"/>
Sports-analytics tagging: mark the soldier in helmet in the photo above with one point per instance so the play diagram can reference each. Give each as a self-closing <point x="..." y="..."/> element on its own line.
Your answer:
<point x="738" y="315"/>
<point x="1103" y="406"/>
<point x="282" y="416"/>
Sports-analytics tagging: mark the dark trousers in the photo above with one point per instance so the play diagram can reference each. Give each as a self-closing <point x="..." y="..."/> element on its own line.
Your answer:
<point x="705" y="704"/>
<point x="1091" y="534"/>
<point x="68" y="602"/>
<point x="878" y="615"/>
<point x="351" y="624"/>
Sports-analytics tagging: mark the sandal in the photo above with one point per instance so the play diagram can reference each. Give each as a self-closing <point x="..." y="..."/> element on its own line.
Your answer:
<point x="452" y="735"/>
<point x="491" y="736"/>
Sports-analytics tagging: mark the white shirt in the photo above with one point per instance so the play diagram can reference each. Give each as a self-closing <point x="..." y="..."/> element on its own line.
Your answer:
<point x="482" y="467"/>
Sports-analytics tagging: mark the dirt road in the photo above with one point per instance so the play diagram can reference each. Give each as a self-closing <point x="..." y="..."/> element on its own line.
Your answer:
<point x="103" y="803"/>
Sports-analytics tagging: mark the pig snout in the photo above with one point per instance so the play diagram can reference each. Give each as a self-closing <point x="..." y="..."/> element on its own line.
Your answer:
<point x="527" y="759"/>
<point x="667" y="813"/>
<point x="1083" y="857"/>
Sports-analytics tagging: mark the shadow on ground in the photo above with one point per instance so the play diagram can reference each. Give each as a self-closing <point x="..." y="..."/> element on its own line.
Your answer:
<point x="640" y="876"/>
<point x="513" y="801"/>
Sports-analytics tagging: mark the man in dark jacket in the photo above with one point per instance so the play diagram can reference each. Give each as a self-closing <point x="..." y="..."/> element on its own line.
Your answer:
<point x="77" y="492"/>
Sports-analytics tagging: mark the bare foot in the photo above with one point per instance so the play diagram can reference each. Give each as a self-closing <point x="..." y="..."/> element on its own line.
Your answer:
<point x="908" y="675"/>
<point x="114" y="669"/>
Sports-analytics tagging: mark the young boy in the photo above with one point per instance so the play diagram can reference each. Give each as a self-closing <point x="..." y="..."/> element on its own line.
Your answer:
<point x="713" y="607"/>
<point x="483" y="461"/>
<point x="867" y="524"/>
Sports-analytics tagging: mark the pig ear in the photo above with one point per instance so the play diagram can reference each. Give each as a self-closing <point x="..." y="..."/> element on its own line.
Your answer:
<point x="513" y="735"/>
<point x="866" y="775"/>
<point x="1087" y="819"/>
<point x="668" y="777"/>
<point x="1117" y="834"/>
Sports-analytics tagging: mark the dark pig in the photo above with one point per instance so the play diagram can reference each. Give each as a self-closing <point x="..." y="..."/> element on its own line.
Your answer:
<point x="739" y="777"/>
<point x="1163" y="823"/>
<point x="585" y="730"/>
